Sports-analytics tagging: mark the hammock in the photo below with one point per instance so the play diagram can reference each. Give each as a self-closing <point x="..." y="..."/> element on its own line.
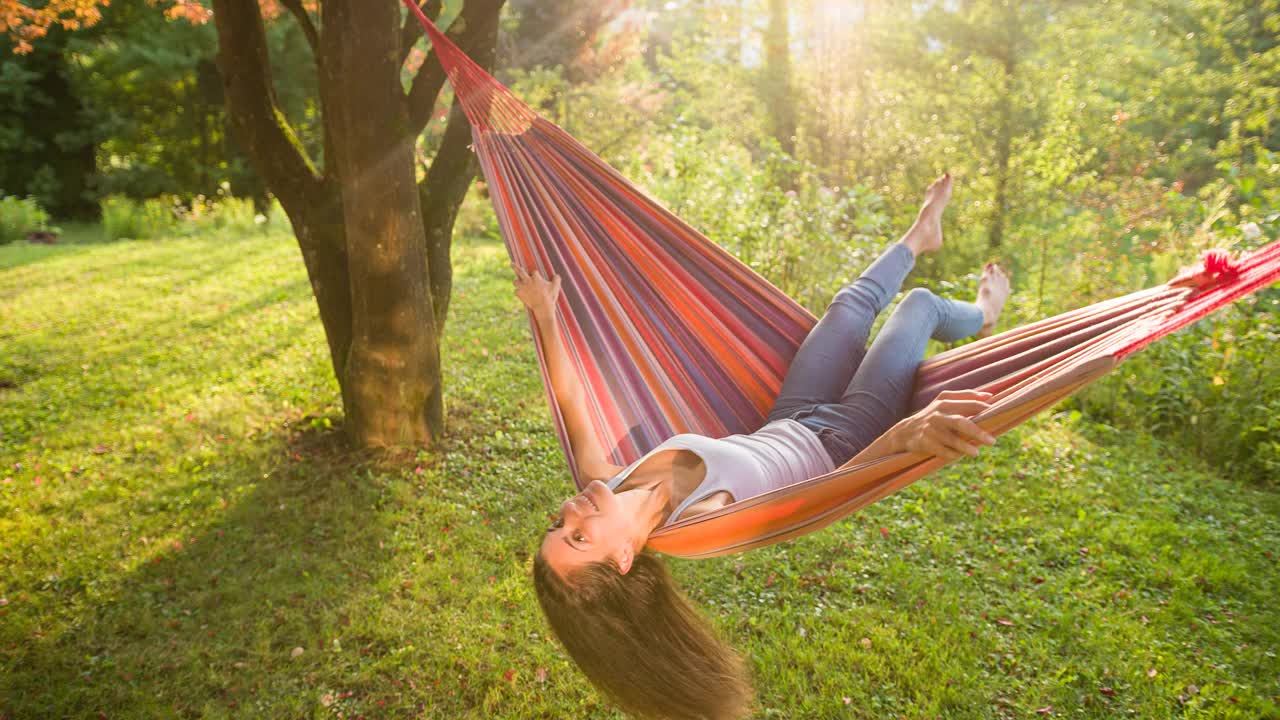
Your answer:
<point x="671" y="334"/>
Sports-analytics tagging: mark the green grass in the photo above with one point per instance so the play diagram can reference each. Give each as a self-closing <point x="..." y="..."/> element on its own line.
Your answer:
<point x="177" y="516"/>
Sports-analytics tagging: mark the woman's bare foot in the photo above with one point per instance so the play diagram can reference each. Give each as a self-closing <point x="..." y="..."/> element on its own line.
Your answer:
<point x="993" y="290"/>
<point x="926" y="234"/>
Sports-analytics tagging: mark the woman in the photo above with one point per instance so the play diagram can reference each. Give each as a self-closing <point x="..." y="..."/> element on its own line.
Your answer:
<point x="614" y="607"/>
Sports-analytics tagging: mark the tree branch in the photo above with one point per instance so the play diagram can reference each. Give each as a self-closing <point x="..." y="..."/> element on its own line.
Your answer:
<point x="411" y="29"/>
<point x="441" y="193"/>
<point x="475" y="31"/>
<point x="308" y="27"/>
<point x="245" y="66"/>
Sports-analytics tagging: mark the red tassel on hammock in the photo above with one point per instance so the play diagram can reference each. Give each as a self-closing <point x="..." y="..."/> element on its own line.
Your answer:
<point x="1219" y="262"/>
<point x="1216" y="266"/>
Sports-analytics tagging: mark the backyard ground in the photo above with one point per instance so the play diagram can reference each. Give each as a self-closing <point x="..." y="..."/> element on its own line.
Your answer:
<point x="182" y="534"/>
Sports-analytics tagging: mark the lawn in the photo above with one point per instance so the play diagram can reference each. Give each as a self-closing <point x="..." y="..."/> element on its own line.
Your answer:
<point x="183" y="535"/>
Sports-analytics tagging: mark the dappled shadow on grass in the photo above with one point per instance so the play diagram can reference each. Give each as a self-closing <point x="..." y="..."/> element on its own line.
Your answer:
<point x="129" y="259"/>
<point x="120" y="369"/>
<point x="210" y="614"/>
<point x="197" y="521"/>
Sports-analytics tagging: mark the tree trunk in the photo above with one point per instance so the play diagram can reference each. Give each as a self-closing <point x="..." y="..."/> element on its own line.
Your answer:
<point x="393" y="364"/>
<point x="441" y="194"/>
<point x="376" y="245"/>
<point x="777" y="80"/>
<point x="1007" y="57"/>
<point x="1004" y="142"/>
<point x="312" y="203"/>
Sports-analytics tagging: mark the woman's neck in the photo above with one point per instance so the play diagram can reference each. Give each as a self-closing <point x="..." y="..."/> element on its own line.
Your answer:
<point x="658" y="493"/>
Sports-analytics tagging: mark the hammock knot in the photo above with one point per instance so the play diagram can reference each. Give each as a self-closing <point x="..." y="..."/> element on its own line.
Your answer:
<point x="1215" y="266"/>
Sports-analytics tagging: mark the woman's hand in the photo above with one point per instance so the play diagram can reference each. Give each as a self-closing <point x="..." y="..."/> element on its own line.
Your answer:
<point x="535" y="291"/>
<point x="944" y="428"/>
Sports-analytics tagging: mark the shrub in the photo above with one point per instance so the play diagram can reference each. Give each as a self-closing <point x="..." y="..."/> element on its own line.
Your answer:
<point x="225" y="213"/>
<point x="18" y="216"/>
<point x="124" y="217"/>
<point x="772" y="212"/>
<point x="1214" y="386"/>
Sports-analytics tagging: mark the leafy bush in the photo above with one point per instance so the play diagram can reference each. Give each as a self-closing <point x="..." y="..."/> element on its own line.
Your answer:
<point x="772" y="212"/>
<point x="124" y="217"/>
<point x="226" y="213"/>
<point x="1214" y="386"/>
<point x="18" y="216"/>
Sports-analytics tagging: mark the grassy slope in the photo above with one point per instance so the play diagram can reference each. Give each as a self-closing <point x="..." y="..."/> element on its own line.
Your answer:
<point x="175" y="519"/>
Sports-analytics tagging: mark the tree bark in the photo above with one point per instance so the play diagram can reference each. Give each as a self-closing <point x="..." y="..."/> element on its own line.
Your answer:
<point x="441" y="194"/>
<point x="393" y="364"/>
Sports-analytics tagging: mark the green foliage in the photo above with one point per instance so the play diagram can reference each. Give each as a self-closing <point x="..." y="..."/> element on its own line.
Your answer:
<point x="1214" y="386"/>
<point x="134" y="107"/>
<point x="1211" y="388"/>
<point x="18" y="216"/>
<point x="168" y="215"/>
<point x="808" y="240"/>
<point x="159" y="95"/>
<point x="123" y="217"/>
<point x="47" y="132"/>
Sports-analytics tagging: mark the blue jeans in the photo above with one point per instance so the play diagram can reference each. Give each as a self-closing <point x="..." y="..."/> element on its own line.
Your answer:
<point x="850" y="394"/>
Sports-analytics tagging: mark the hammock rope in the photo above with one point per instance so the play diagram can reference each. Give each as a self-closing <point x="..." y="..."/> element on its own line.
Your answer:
<point x="669" y="333"/>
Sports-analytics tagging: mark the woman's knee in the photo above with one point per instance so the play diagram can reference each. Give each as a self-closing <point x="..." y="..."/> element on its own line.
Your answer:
<point x="918" y="298"/>
<point x="917" y="304"/>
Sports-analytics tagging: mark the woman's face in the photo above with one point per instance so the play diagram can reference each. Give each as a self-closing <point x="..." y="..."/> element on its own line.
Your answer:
<point x="591" y="527"/>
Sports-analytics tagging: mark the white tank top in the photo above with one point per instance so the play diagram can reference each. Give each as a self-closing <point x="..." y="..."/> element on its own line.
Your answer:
<point x="782" y="453"/>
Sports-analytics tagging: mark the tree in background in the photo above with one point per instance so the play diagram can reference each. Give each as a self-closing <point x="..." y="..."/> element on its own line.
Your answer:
<point x="26" y="22"/>
<point x="572" y="38"/>
<point x="374" y="237"/>
<point x="134" y="106"/>
<point x="155" y="82"/>
<point x="776" y="82"/>
<point x="48" y="134"/>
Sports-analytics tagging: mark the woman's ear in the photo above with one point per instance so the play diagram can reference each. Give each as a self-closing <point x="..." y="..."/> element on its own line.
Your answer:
<point x="624" y="558"/>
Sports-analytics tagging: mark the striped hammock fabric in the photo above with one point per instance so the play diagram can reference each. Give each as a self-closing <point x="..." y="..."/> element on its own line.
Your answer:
<point x="671" y="334"/>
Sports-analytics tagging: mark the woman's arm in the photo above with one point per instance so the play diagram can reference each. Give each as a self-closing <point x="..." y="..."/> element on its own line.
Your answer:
<point x="944" y="429"/>
<point x="540" y="296"/>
